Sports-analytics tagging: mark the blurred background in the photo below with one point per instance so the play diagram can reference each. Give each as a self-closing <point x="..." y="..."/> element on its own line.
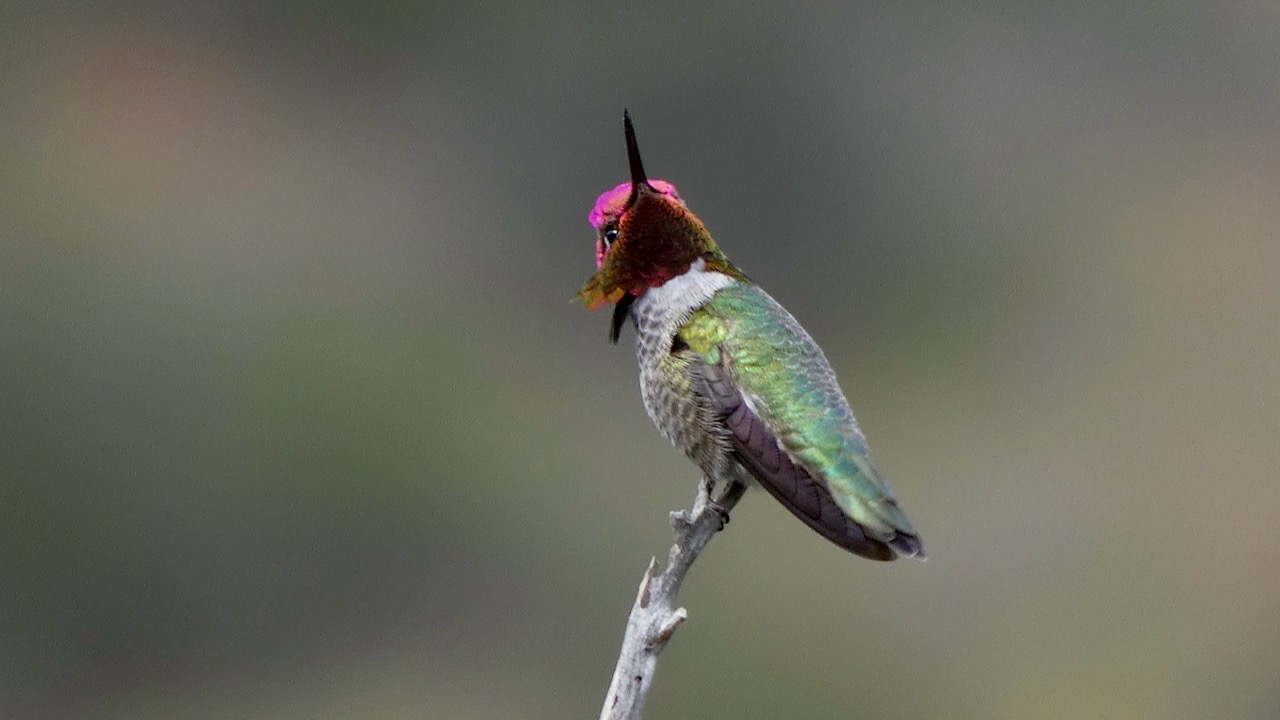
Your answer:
<point x="299" y="420"/>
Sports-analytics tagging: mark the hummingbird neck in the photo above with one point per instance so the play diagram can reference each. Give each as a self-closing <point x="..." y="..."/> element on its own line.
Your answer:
<point x="681" y="294"/>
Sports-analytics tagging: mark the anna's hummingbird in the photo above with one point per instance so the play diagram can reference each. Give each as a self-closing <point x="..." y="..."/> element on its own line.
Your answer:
<point x="728" y="376"/>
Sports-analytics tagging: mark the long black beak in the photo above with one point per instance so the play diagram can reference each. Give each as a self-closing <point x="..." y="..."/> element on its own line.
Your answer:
<point x="638" y="177"/>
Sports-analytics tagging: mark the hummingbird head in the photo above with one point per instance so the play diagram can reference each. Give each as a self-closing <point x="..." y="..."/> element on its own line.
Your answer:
<point x="645" y="235"/>
<point x="606" y="216"/>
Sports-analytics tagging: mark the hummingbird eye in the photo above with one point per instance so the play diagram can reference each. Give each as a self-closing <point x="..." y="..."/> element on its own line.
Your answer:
<point x="609" y="234"/>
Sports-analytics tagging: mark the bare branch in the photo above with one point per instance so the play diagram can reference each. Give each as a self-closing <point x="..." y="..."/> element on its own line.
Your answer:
<point x="654" y="616"/>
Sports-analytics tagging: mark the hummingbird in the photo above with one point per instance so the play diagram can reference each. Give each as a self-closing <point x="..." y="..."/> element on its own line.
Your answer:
<point x="727" y="374"/>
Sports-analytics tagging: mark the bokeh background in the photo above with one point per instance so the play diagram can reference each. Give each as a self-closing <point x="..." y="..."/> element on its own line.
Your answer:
<point x="299" y="422"/>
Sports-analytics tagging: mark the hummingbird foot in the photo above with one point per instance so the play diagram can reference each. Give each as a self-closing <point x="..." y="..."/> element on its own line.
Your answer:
<point x="721" y="511"/>
<point x="723" y="503"/>
<point x="704" y="502"/>
<point x="707" y="489"/>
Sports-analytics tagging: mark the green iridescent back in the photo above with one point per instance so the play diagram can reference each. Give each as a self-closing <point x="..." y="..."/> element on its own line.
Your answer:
<point x="789" y="384"/>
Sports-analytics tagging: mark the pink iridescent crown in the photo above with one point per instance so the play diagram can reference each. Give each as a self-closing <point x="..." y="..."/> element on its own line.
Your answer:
<point x="610" y="203"/>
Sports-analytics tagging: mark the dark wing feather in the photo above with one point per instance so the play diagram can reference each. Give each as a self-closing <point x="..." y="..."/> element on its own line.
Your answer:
<point x="757" y="450"/>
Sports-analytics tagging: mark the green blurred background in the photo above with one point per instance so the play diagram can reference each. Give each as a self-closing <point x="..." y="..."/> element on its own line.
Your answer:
<point x="299" y="421"/>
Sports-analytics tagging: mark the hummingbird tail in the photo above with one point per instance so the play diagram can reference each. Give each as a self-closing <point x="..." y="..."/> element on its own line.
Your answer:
<point x="908" y="545"/>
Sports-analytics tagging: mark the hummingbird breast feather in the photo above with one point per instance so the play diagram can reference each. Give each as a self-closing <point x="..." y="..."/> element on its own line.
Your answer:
<point x="669" y="376"/>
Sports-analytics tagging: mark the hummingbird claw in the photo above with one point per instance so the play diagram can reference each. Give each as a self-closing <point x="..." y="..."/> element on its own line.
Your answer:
<point x="708" y="500"/>
<point x="721" y="511"/>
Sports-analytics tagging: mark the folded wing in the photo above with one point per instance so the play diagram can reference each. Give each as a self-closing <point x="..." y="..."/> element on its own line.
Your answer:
<point x="791" y="428"/>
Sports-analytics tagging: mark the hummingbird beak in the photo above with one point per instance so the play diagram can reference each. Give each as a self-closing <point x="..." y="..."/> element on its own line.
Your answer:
<point x="638" y="177"/>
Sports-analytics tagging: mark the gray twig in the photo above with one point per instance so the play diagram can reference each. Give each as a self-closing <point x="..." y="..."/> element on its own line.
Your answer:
<point x="654" y="616"/>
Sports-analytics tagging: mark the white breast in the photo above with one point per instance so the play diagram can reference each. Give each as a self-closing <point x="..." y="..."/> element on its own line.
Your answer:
<point x="665" y="307"/>
<point x="657" y="315"/>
